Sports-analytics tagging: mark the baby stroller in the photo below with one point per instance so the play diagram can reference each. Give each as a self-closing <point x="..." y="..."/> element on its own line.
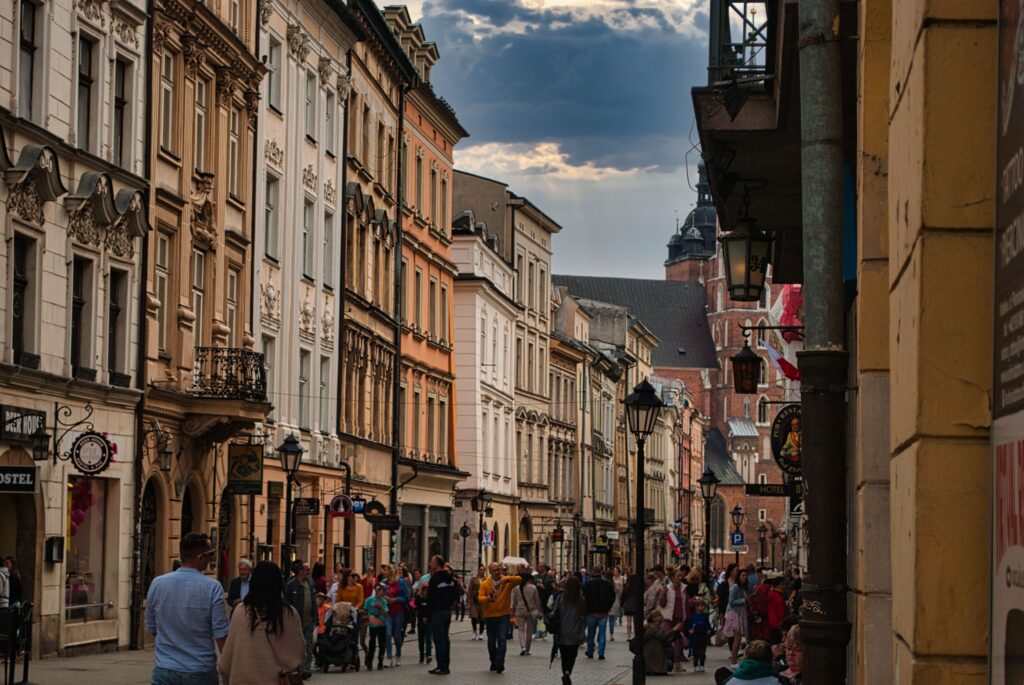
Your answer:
<point x="339" y="644"/>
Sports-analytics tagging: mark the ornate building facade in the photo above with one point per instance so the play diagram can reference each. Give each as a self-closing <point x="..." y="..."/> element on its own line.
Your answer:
<point x="300" y="152"/>
<point x="73" y="212"/>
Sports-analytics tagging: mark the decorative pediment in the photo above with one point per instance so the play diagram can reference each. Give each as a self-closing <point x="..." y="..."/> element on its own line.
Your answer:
<point x="34" y="180"/>
<point x="91" y="208"/>
<point x="132" y="223"/>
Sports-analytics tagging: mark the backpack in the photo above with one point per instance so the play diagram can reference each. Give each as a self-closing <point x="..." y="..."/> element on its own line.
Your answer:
<point x="553" y="618"/>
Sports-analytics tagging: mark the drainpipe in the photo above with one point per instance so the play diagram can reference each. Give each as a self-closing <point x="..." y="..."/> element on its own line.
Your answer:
<point x="825" y="629"/>
<point x="138" y="592"/>
<point x="396" y="389"/>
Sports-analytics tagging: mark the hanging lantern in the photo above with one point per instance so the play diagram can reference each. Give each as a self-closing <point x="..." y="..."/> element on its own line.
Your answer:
<point x="746" y="370"/>
<point x="747" y="253"/>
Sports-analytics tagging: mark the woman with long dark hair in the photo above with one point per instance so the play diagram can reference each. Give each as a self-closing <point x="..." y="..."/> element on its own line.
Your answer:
<point x="265" y="637"/>
<point x="570" y="615"/>
<point x="632" y="594"/>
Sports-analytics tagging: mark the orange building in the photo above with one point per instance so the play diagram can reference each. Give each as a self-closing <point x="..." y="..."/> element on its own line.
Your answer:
<point x="427" y="463"/>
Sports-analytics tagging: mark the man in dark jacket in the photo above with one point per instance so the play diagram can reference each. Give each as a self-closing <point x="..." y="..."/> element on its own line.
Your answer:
<point x="301" y="594"/>
<point x="442" y="594"/>
<point x="599" y="595"/>
<point x="239" y="587"/>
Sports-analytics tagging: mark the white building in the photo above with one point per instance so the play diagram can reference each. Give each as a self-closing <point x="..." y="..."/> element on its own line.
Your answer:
<point x="73" y="213"/>
<point x="485" y="319"/>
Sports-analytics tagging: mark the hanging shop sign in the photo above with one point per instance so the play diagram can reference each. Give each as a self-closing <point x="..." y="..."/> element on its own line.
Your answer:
<point x="19" y="424"/>
<point x="558" y="534"/>
<point x="307" y="506"/>
<point x="18" y="479"/>
<point x="358" y="504"/>
<point x="91" y="453"/>
<point x="1006" y="648"/>
<point x="787" y="440"/>
<point x="341" y="505"/>
<point x="373" y="511"/>
<point x="245" y="469"/>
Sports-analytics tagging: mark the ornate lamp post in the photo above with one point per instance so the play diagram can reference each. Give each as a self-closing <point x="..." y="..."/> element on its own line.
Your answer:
<point x="746" y="369"/>
<point x="481" y="503"/>
<point x="643" y="407"/>
<point x="747" y="251"/>
<point x="290" y="452"/>
<point x="708" y="487"/>
<point x="737" y="520"/>
<point x="762" y="530"/>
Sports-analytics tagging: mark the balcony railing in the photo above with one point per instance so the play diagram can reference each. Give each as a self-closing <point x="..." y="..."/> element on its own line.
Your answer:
<point x="229" y="373"/>
<point x="748" y="59"/>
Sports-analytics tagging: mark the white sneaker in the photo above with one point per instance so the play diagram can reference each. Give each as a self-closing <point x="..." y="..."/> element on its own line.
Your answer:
<point x="398" y="661"/>
<point x="391" y="662"/>
<point x="474" y="635"/>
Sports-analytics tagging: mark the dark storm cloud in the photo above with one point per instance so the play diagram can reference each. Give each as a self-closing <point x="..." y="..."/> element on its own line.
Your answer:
<point x="608" y="95"/>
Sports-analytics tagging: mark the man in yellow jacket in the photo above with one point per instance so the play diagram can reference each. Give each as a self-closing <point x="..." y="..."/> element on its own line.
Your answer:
<point x="496" y="599"/>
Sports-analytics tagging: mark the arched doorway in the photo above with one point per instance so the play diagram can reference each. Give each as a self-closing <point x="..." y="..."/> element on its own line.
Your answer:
<point x="506" y="548"/>
<point x="149" y="537"/>
<point x="191" y="508"/>
<point x="526" y="550"/>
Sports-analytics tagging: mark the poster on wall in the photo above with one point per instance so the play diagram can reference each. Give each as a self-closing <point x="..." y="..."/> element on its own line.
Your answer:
<point x="245" y="469"/>
<point x="1006" y="646"/>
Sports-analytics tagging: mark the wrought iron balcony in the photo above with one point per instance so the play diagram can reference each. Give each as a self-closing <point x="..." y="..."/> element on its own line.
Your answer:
<point x="747" y="60"/>
<point x="229" y="373"/>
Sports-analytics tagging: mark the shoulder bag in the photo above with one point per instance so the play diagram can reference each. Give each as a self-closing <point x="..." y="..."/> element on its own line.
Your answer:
<point x="283" y="677"/>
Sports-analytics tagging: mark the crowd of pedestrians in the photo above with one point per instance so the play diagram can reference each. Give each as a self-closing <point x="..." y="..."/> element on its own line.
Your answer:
<point x="275" y="626"/>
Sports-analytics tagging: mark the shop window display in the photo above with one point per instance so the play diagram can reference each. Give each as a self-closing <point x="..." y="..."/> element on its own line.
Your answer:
<point x="86" y="542"/>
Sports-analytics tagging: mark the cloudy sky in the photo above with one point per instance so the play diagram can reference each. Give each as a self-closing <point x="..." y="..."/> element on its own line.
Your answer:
<point x="584" y="107"/>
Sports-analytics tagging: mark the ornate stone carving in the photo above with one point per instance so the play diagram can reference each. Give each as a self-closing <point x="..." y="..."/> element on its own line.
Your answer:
<point x="160" y="32"/>
<point x="270" y="303"/>
<point x="327" y="326"/>
<point x="274" y="154"/>
<point x="118" y="241"/>
<point x="227" y="86"/>
<point x="344" y="85"/>
<point x="194" y="54"/>
<point x="23" y="199"/>
<point x="92" y="10"/>
<point x="309" y="177"/>
<point x="252" y="105"/>
<point x="298" y="43"/>
<point x="307" y="317"/>
<point x="204" y="221"/>
<point x="330" y="192"/>
<point x="265" y="9"/>
<point x="323" y="68"/>
<point x="126" y="33"/>
<point x="82" y="226"/>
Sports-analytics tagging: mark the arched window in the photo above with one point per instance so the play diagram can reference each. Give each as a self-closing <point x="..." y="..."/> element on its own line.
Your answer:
<point x="719" y="298"/>
<point x="506" y="552"/>
<point x="495" y="538"/>
<point x="718" y="526"/>
<point x="762" y="410"/>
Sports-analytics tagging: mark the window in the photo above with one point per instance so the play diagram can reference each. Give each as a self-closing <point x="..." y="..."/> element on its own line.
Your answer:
<point x="274" y="73"/>
<point x="432" y="309"/>
<point x="162" y="278"/>
<point x="504" y="357"/>
<point x="406" y="304"/>
<point x="325" y="395"/>
<point x="442" y="325"/>
<point x="542" y="286"/>
<point x="329" y="123"/>
<point x="199" y="136"/>
<point x="380" y="167"/>
<point x="304" y="362"/>
<point x="388" y="183"/>
<point x="268" y="362"/>
<point x="167" y="100"/>
<point x="364" y="152"/>
<point x="404" y="423"/>
<point x="311" y="105"/>
<point x="519" y="362"/>
<point x="762" y="479"/>
<point x="762" y="515"/>
<point x="86" y="47"/>
<point x="328" y="275"/>
<point x="530" y="294"/>
<point x="270" y="237"/>
<point x="85" y="565"/>
<point x="431" y="447"/>
<point x="23" y="300"/>
<point x="232" y="308"/>
<point x="418" y="301"/>
<point x="433" y="196"/>
<point x="121" y="146"/>
<point x="483" y="341"/>
<point x="81" y="314"/>
<point x="762" y="410"/>
<point x="405" y="171"/>
<point x="307" y="238"/>
<point x="198" y="293"/>
<point x="117" y="330"/>
<point x="494" y="349"/>
<point x="443" y="224"/>
<point x="234" y="151"/>
<point x="27" y="57"/>
<point x="718" y="527"/>
<point x="442" y="448"/>
<point x="419" y="183"/>
<point x="416" y="420"/>
<point x="529" y="367"/>
<point x="233" y="16"/>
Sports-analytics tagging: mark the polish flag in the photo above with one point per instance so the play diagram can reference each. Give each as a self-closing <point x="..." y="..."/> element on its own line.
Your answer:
<point x="787" y="369"/>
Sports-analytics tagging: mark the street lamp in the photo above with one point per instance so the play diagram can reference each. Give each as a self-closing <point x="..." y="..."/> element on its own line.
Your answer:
<point x="737" y="520"/>
<point x="746" y="369"/>
<point x="464" y="532"/>
<point x="290" y="451"/>
<point x="643" y="407"/>
<point x="481" y="503"/>
<point x="747" y="251"/>
<point x="708" y="487"/>
<point x="762" y="530"/>
<point x="577" y="526"/>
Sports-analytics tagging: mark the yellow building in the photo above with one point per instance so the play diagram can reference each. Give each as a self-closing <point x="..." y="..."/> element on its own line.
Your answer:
<point x="919" y="87"/>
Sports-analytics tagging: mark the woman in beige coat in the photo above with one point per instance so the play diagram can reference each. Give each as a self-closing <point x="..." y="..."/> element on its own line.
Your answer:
<point x="265" y="637"/>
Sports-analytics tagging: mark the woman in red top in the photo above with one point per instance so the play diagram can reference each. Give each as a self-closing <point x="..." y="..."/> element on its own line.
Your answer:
<point x="776" y="609"/>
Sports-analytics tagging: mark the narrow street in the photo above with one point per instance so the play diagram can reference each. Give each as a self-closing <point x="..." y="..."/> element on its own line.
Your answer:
<point x="469" y="665"/>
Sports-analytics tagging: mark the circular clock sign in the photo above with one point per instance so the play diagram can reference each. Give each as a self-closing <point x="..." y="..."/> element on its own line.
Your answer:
<point x="91" y="453"/>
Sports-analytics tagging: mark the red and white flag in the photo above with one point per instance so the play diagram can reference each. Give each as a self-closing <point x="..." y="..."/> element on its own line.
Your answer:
<point x="673" y="542"/>
<point x="787" y="369"/>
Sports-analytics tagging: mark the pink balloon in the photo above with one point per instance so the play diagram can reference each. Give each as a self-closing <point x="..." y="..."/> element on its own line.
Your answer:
<point x="77" y="516"/>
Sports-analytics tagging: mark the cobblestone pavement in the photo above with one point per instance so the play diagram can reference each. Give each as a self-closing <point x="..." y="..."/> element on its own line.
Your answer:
<point x="469" y="666"/>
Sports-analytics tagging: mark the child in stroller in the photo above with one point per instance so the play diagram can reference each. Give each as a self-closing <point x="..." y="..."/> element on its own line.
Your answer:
<point x="339" y="645"/>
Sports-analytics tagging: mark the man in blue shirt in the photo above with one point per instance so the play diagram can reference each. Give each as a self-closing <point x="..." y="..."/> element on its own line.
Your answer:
<point x="185" y="610"/>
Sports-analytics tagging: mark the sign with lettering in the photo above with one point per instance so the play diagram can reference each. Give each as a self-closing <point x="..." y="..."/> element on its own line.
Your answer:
<point x="787" y="440"/>
<point x="307" y="506"/>
<point x="18" y="479"/>
<point x="341" y="505"/>
<point x="1006" y="648"/>
<point x="775" y="489"/>
<point x="91" y="453"/>
<point x="245" y="469"/>
<point x="19" y="424"/>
